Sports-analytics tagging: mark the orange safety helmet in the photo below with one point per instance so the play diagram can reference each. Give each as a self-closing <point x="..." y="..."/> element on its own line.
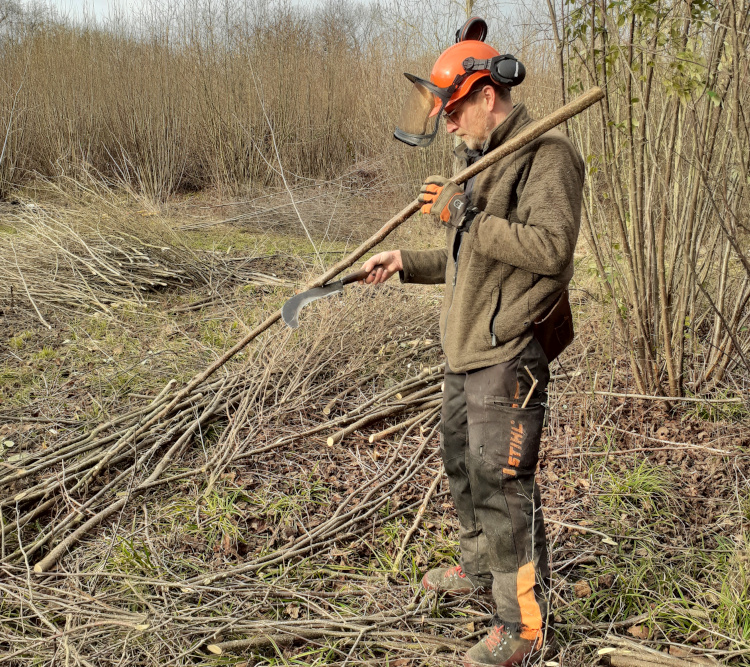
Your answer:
<point x="449" y="69"/>
<point x="454" y="73"/>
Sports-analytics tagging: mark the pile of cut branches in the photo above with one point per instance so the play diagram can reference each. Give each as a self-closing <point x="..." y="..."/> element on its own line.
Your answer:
<point x="105" y="257"/>
<point x="59" y="259"/>
<point x="55" y="493"/>
<point x="294" y="392"/>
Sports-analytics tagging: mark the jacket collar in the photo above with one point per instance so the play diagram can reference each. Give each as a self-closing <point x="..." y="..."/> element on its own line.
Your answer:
<point x="507" y="129"/>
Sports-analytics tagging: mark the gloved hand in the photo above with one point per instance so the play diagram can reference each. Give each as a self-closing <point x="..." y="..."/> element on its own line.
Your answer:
<point x="442" y="197"/>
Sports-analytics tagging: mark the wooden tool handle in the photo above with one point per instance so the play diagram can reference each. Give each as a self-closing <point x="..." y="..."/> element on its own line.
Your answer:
<point x="359" y="275"/>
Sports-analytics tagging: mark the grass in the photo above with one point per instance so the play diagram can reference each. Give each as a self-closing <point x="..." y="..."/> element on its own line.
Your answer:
<point x="692" y="585"/>
<point x="217" y="334"/>
<point x="645" y="486"/>
<point x="682" y="594"/>
<point x="18" y="342"/>
<point x="304" y="494"/>
<point x="133" y="557"/>
<point x="45" y="354"/>
<point x="716" y="412"/>
<point x="213" y="516"/>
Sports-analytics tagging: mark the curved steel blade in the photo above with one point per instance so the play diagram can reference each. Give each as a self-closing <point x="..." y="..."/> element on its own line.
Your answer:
<point x="291" y="309"/>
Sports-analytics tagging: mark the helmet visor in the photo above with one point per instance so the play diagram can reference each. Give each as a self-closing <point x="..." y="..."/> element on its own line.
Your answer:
<point x="420" y="116"/>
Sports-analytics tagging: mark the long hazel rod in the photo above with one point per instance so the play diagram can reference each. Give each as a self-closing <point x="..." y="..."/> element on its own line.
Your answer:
<point x="537" y="129"/>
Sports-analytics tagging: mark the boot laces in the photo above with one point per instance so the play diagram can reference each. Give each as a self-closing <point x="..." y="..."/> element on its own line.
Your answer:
<point x="495" y="637"/>
<point x="456" y="571"/>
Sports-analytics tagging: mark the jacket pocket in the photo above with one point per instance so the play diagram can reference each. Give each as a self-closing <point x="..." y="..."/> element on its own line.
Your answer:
<point x="495" y="311"/>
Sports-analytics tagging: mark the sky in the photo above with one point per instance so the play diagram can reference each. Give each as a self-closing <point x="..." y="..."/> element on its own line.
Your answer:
<point x="101" y="9"/>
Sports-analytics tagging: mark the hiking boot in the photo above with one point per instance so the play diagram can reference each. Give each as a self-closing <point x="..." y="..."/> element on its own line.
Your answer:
<point x="450" y="580"/>
<point x="505" y="647"/>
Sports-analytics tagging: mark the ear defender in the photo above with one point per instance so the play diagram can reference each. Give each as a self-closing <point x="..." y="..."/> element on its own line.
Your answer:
<point x="474" y="29"/>
<point x="505" y="70"/>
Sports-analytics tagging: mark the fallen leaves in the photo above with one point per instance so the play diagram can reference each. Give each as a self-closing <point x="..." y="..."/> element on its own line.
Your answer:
<point x="605" y="581"/>
<point x="292" y="610"/>
<point x="639" y="631"/>
<point x="582" y="589"/>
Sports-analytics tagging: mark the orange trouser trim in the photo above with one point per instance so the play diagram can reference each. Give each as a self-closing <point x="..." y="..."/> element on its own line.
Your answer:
<point x="531" y="614"/>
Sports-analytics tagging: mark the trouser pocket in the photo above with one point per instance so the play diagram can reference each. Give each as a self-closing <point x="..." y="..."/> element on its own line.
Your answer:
<point x="507" y="438"/>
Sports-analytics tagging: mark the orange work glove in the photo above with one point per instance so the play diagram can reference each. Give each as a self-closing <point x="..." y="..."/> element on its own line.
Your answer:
<point x="442" y="197"/>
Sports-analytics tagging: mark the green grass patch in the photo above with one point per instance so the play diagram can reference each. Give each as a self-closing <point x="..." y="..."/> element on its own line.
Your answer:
<point x="639" y="487"/>
<point x="132" y="556"/>
<point x="720" y="412"/>
<point x="18" y="342"/>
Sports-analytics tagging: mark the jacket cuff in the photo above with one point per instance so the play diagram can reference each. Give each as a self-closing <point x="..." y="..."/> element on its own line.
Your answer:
<point x="409" y="273"/>
<point x="424" y="267"/>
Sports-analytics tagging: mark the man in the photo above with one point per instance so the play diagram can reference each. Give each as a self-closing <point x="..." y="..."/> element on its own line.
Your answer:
<point x="510" y="236"/>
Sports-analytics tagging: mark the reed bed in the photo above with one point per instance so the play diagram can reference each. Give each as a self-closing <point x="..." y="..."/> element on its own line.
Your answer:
<point x="234" y="96"/>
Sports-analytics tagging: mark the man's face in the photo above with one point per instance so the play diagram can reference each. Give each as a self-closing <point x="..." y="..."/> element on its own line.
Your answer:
<point x="470" y="119"/>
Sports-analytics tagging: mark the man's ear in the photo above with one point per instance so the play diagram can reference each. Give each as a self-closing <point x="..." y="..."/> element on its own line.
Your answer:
<point x="490" y="95"/>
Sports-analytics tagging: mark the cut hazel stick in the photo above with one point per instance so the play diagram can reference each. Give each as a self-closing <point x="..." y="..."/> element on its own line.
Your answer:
<point x="404" y="424"/>
<point x="368" y="419"/>
<point x="428" y="391"/>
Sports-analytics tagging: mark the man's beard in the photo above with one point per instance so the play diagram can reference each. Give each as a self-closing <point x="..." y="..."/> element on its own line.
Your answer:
<point x="474" y="141"/>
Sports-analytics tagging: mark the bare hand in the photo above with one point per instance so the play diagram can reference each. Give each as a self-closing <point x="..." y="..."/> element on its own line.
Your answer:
<point x="387" y="264"/>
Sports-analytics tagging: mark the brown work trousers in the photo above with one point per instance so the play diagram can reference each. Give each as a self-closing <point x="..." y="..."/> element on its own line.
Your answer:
<point x="490" y="448"/>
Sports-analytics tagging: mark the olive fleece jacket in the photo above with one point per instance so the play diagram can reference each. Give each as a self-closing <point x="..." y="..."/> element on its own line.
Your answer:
<point x="517" y="256"/>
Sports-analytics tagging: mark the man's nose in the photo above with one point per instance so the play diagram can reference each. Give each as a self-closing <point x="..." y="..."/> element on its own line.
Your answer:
<point x="450" y="125"/>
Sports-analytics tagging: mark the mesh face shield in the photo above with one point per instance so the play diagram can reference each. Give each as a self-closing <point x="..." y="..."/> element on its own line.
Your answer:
<point x="420" y="116"/>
